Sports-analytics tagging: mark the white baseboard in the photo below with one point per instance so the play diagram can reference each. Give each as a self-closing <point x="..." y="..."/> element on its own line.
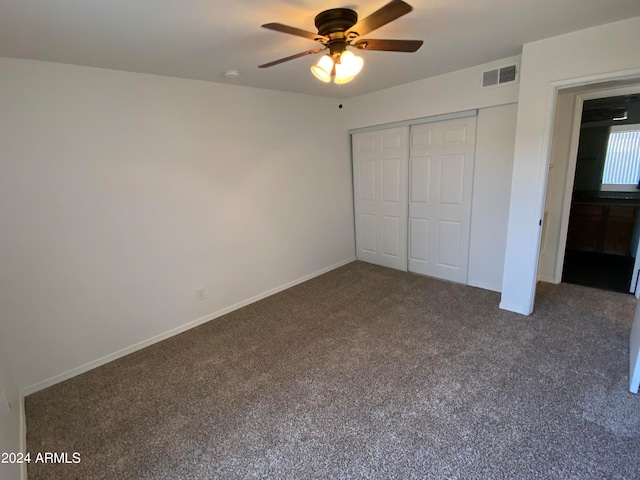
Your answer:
<point x="515" y="308"/>
<point x="23" y="434"/>
<point x="485" y="286"/>
<point x="175" y="331"/>
<point x="546" y="279"/>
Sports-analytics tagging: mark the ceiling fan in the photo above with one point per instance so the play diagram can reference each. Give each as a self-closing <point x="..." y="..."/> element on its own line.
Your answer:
<point x="338" y="29"/>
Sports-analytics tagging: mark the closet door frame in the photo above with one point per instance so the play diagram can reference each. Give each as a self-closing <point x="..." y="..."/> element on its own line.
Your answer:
<point x="374" y="255"/>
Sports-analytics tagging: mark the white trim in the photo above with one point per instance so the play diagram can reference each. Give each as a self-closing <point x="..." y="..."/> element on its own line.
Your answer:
<point x="485" y="286"/>
<point x="544" y="278"/>
<point x="417" y="121"/>
<point x="621" y="76"/>
<point x="473" y="183"/>
<point x="633" y="287"/>
<point x="22" y="418"/>
<point x="543" y="177"/>
<point x="514" y="308"/>
<point x="170" y="333"/>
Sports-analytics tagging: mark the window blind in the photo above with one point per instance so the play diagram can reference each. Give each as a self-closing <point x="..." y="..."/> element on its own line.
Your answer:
<point x="622" y="163"/>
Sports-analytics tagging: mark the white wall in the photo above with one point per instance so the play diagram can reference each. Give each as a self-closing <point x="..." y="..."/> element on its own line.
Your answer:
<point x="596" y="54"/>
<point x="121" y="193"/>
<point x="9" y="419"/>
<point x="495" y="141"/>
<point x="452" y="92"/>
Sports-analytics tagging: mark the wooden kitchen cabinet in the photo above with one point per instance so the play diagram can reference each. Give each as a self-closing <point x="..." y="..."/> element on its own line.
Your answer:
<point x="585" y="227"/>
<point x="618" y="228"/>
<point x="601" y="228"/>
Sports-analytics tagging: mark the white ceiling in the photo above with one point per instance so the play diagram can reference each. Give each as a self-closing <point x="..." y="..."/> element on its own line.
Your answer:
<point x="201" y="39"/>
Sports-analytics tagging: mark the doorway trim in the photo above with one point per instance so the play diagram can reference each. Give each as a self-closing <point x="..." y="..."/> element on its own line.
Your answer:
<point x="603" y="92"/>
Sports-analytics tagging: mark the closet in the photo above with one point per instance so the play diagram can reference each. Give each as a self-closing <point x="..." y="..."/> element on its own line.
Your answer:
<point x="412" y="196"/>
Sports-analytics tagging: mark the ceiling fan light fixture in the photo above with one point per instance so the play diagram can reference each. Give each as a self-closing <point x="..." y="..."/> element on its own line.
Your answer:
<point x="339" y="28"/>
<point x="348" y="67"/>
<point x="341" y="76"/>
<point x="322" y="70"/>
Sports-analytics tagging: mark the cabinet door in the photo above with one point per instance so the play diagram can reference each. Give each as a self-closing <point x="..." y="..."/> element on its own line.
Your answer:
<point x="586" y="223"/>
<point x="618" y="231"/>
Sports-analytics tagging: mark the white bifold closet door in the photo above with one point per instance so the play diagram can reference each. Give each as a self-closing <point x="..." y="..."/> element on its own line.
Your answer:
<point x="380" y="174"/>
<point x="440" y="189"/>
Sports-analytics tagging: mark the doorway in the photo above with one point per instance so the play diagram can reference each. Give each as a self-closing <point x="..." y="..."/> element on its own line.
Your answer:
<point x="603" y="231"/>
<point x="592" y="219"/>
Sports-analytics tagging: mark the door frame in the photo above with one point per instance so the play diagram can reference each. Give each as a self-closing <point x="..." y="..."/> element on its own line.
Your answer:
<point x="416" y="121"/>
<point x="602" y="92"/>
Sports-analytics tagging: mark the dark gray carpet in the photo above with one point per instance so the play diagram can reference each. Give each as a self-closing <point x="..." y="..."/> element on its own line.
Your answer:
<point x="364" y="372"/>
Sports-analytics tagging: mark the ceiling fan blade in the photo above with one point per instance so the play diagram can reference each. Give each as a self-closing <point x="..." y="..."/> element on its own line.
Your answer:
<point x="389" y="45"/>
<point x="279" y="27"/>
<point x="391" y="11"/>
<point x="292" y="57"/>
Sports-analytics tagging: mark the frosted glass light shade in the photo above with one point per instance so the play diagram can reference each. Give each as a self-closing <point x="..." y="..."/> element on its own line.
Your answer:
<point x="322" y="70"/>
<point x="349" y="66"/>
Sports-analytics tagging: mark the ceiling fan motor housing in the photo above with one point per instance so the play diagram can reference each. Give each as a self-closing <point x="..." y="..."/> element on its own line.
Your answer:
<point x="335" y="20"/>
<point x="339" y="28"/>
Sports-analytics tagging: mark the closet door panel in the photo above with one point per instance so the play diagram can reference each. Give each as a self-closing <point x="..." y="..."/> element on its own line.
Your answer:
<point x="441" y="177"/>
<point x="380" y="180"/>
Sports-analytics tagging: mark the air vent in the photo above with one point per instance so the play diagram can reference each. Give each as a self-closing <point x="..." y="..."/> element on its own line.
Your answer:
<point x="508" y="74"/>
<point x="492" y="78"/>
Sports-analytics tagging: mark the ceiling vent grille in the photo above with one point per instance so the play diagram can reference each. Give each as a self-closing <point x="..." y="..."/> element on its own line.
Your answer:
<point x="499" y="76"/>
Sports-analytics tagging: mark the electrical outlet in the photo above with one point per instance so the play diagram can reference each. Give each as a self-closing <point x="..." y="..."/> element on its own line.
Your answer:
<point x="6" y="402"/>
<point x="200" y="293"/>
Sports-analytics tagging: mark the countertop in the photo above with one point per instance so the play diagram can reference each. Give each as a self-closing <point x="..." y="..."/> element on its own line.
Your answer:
<point x="629" y="199"/>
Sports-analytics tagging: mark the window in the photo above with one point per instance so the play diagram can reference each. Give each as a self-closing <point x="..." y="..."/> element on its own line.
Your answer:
<point x="622" y="163"/>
